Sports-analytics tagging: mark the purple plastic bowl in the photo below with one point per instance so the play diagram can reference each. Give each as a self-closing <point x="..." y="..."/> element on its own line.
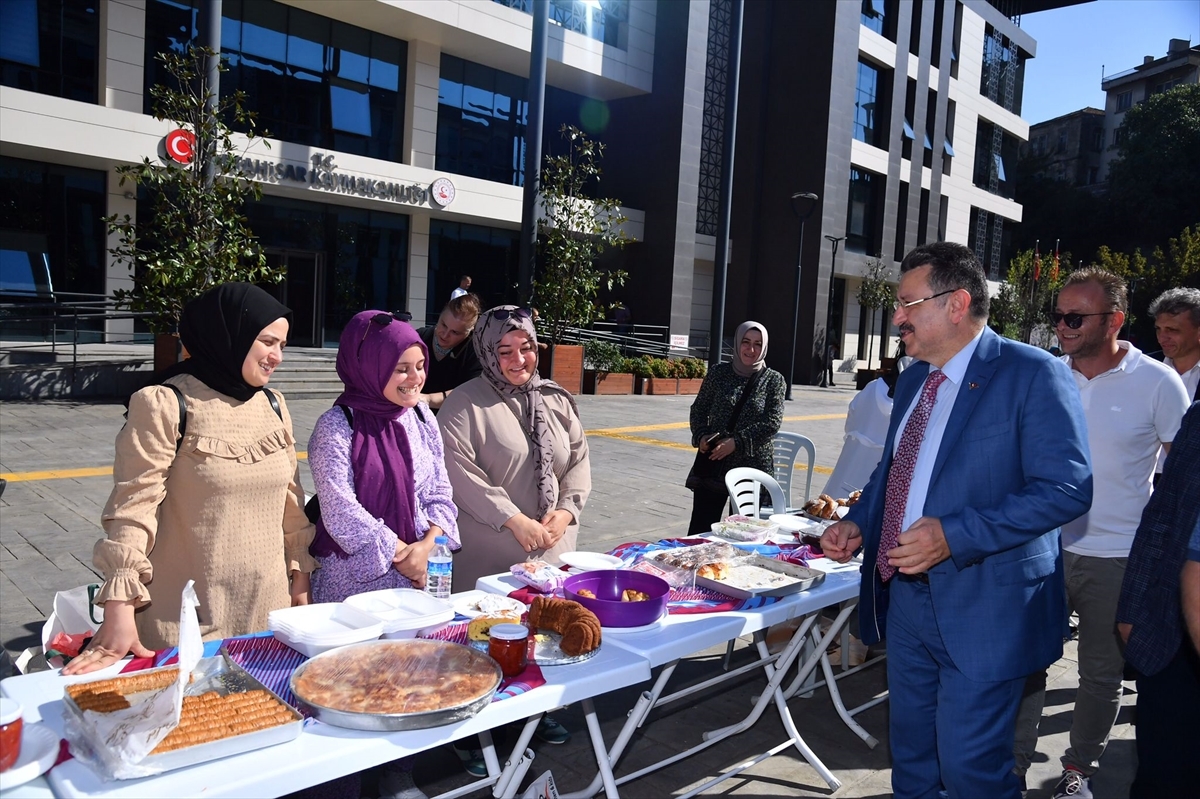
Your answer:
<point x="608" y="607"/>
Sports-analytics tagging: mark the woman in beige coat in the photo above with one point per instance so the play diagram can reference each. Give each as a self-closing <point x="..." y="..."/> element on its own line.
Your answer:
<point x="515" y="452"/>
<point x="518" y="463"/>
<point x="211" y="495"/>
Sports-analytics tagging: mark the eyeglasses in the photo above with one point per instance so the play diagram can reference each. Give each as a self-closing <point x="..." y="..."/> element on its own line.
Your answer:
<point x="503" y="313"/>
<point x="898" y="303"/>
<point x="1073" y="320"/>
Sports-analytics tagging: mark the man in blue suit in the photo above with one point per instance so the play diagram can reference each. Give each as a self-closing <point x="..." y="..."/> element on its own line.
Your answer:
<point x="985" y="457"/>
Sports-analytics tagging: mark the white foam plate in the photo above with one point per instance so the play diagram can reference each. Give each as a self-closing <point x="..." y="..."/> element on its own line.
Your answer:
<point x="466" y="603"/>
<point x="590" y="561"/>
<point x="654" y="625"/>
<point x="39" y="750"/>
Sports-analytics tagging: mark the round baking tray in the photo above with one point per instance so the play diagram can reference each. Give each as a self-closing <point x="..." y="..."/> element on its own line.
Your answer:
<point x="388" y="722"/>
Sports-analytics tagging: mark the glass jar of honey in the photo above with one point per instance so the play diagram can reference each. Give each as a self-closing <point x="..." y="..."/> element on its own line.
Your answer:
<point x="507" y="645"/>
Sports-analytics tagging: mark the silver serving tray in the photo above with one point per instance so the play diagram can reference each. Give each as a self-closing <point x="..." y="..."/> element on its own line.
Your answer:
<point x="223" y="675"/>
<point x="802" y="578"/>
<point x="392" y="722"/>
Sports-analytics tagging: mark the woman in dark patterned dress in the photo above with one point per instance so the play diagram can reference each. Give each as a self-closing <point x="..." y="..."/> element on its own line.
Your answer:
<point x="749" y="442"/>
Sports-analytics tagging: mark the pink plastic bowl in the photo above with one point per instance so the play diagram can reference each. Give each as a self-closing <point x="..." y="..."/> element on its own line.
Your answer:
<point x="608" y="607"/>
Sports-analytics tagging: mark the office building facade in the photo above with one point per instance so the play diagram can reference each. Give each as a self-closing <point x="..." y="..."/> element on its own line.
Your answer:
<point x="903" y="117"/>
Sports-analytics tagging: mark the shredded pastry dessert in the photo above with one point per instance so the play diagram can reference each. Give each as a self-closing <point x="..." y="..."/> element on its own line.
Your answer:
<point x="397" y="677"/>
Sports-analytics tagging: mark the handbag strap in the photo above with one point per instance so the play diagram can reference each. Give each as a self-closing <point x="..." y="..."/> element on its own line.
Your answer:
<point x="746" y="392"/>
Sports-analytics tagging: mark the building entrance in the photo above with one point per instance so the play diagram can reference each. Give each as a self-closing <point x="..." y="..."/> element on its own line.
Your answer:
<point x="302" y="290"/>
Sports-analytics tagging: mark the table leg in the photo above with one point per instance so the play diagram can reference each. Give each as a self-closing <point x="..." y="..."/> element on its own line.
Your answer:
<point x="518" y="762"/>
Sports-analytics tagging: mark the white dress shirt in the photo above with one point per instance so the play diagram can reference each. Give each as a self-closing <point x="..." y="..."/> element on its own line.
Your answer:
<point x="955" y="371"/>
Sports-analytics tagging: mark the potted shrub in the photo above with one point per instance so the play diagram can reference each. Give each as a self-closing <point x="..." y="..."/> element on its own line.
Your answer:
<point x="691" y="375"/>
<point x="605" y="369"/>
<point x="574" y="229"/>
<point x="662" y="378"/>
<point x="640" y="367"/>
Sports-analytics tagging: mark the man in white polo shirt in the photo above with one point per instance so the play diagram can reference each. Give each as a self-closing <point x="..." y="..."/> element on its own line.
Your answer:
<point x="1133" y="405"/>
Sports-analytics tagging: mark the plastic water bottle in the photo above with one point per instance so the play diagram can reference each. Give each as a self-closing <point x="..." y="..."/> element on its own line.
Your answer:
<point x="440" y="571"/>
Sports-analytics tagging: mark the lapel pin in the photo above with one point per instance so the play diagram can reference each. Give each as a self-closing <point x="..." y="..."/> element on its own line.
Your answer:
<point x="972" y="386"/>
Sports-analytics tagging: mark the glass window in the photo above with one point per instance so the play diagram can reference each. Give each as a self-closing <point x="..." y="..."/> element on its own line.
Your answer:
<point x="1125" y="100"/>
<point x="51" y="47"/>
<point x="873" y="13"/>
<point x="310" y="79"/>
<point x="602" y="20"/>
<point x="865" y="112"/>
<point x="492" y="253"/>
<point x="60" y="214"/>
<point x="860" y="219"/>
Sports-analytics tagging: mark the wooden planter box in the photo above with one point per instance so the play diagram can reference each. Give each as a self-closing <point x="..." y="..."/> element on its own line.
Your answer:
<point x="690" y="385"/>
<point x="660" y="385"/>
<point x="563" y="363"/>
<point x="864" y="377"/>
<point x="607" y="382"/>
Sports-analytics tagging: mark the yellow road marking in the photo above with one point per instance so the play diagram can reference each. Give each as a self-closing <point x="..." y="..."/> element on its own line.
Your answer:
<point x="67" y="474"/>
<point x="658" y="442"/>
<point x="646" y="428"/>
<point x="619" y="433"/>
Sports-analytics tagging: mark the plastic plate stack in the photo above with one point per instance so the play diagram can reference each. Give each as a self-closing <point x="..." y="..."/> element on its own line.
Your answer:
<point x="313" y="629"/>
<point x="403" y="612"/>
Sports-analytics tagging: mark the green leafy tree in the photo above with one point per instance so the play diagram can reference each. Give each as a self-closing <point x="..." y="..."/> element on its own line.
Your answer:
<point x="1026" y="295"/>
<point x="573" y="232"/>
<point x="1177" y="265"/>
<point x="196" y="235"/>
<point x="1152" y="184"/>
<point x="876" y="291"/>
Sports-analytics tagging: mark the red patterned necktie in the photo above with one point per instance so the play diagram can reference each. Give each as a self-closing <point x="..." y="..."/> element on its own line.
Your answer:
<point x="901" y="473"/>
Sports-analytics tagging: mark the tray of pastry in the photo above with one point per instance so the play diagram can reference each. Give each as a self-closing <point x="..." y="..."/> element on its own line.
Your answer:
<point x="396" y="684"/>
<point x="762" y="576"/>
<point x="226" y="711"/>
<point x="684" y="566"/>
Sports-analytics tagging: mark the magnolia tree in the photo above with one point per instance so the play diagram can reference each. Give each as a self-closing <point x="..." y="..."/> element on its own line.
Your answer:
<point x="573" y="231"/>
<point x="196" y="235"/>
<point x="876" y="292"/>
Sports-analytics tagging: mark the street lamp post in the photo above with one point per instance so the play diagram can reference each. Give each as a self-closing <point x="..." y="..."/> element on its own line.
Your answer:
<point x="811" y="200"/>
<point x="835" y="241"/>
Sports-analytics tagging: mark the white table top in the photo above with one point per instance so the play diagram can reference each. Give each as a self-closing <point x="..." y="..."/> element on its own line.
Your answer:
<point x="325" y="751"/>
<point x="683" y="634"/>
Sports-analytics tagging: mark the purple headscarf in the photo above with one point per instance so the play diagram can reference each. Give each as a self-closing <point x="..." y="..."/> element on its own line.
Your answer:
<point x="380" y="459"/>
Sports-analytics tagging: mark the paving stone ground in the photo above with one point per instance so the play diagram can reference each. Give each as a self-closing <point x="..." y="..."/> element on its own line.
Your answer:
<point x="640" y="455"/>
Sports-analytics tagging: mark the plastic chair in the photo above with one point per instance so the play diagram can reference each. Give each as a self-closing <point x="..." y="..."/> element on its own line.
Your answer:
<point x="787" y="448"/>
<point x="744" y="485"/>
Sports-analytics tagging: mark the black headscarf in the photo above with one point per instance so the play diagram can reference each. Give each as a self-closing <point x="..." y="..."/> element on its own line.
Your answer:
<point x="218" y="329"/>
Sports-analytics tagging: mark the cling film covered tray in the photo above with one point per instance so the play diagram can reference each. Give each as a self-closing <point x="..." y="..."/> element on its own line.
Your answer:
<point x="220" y="699"/>
<point x="401" y="684"/>
<point x="757" y="575"/>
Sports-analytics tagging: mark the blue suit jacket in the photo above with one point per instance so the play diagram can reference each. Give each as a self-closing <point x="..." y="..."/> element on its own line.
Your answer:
<point x="1013" y="466"/>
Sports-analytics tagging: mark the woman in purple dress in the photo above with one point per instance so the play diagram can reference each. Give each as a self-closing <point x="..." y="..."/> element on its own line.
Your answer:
<point x="376" y="459"/>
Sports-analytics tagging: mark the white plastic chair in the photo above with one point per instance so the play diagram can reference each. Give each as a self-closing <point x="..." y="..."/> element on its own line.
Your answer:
<point x="787" y="448"/>
<point x="744" y="483"/>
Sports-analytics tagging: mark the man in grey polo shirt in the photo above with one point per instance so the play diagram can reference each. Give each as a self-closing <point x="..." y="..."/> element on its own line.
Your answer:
<point x="1133" y="405"/>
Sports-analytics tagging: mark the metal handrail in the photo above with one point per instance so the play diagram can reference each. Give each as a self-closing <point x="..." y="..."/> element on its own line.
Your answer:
<point x="56" y="313"/>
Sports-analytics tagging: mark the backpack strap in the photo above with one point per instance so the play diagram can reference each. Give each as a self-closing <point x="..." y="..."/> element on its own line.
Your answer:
<point x="349" y="416"/>
<point x="182" y="414"/>
<point x="271" y="398"/>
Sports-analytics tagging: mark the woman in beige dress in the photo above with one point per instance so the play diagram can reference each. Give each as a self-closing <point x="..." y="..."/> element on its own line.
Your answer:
<point x="212" y="495"/>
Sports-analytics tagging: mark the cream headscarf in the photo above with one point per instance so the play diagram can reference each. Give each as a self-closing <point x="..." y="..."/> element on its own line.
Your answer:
<point x="739" y="368"/>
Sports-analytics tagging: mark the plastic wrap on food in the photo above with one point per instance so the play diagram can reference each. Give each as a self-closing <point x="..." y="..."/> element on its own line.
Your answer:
<point x="541" y="575"/>
<point x="121" y="721"/>
<point x="744" y="529"/>
<point x="694" y="558"/>
<point x="395" y="679"/>
<point x="676" y="578"/>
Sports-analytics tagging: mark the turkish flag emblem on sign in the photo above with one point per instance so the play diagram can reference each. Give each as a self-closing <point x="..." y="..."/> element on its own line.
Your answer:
<point x="181" y="145"/>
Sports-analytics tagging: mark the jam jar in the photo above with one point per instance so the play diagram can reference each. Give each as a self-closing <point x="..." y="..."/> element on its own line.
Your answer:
<point x="10" y="733"/>
<point x="507" y="645"/>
